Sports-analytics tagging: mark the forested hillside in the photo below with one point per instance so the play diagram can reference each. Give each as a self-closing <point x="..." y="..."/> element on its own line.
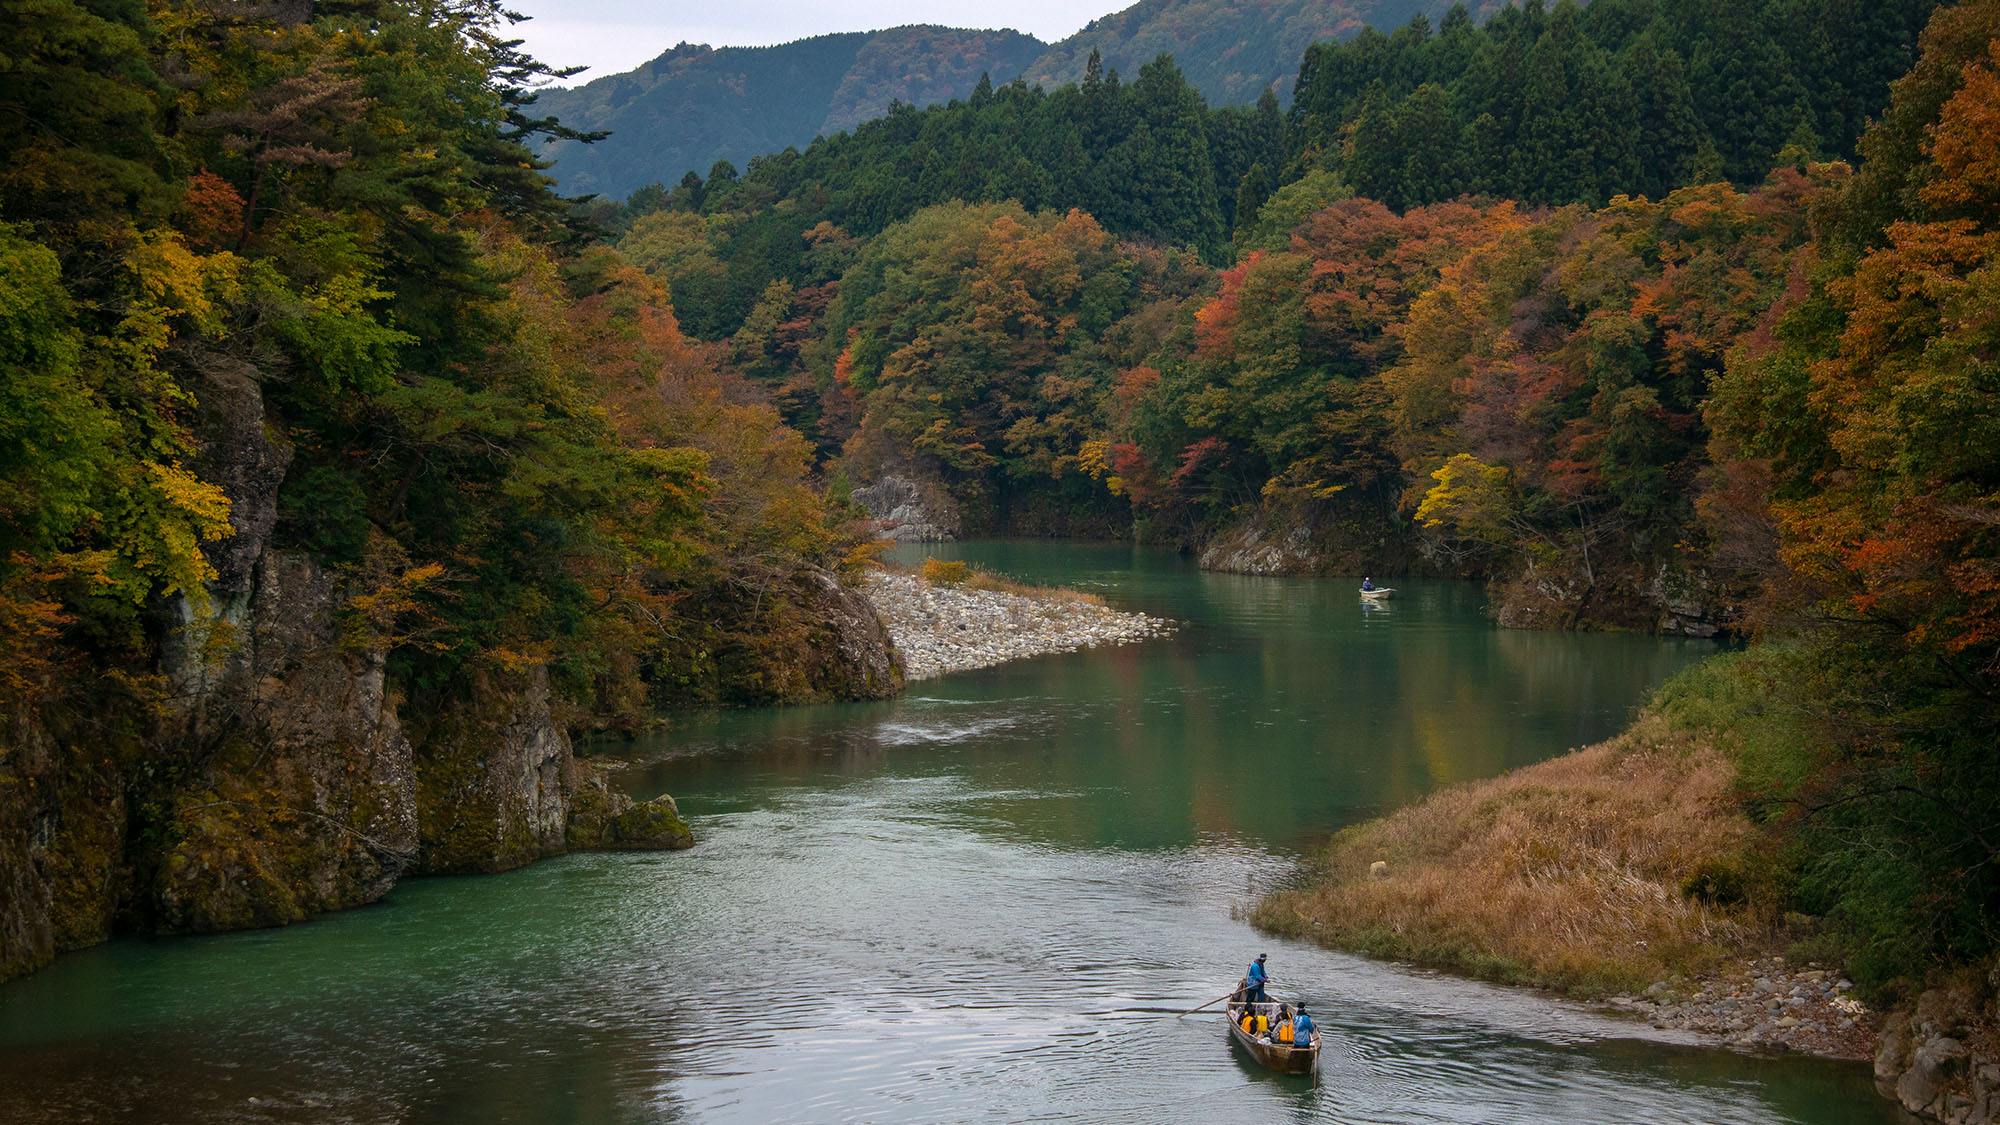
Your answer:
<point x="1231" y="52"/>
<point x="696" y="106"/>
<point x="1583" y="103"/>
<point x="317" y="409"/>
<point x="1339" y="365"/>
<point x="1659" y="316"/>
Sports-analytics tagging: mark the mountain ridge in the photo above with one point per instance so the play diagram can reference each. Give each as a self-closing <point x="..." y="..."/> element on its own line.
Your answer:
<point x="695" y="104"/>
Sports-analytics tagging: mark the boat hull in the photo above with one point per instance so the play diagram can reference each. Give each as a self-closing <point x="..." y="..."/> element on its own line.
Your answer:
<point x="1281" y="1057"/>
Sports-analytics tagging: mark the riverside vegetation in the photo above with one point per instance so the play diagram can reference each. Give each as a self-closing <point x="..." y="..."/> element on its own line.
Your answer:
<point x="1439" y="316"/>
<point x="345" y="468"/>
<point x="1665" y="871"/>
<point x="342" y="478"/>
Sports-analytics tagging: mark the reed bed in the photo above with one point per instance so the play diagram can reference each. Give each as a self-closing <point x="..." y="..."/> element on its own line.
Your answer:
<point x="952" y="574"/>
<point x="1591" y="873"/>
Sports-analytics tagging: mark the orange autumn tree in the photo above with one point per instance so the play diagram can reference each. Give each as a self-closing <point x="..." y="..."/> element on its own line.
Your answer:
<point x="972" y="339"/>
<point x="1573" y="350"/>
<point x="1280" y="397"/>
<point x="1875" y="410"/>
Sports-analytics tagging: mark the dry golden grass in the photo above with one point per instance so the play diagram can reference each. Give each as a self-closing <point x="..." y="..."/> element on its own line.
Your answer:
<point x="1001" y="584"/>
<point x="952" y="574"/>
<point x="1568" y="874"/>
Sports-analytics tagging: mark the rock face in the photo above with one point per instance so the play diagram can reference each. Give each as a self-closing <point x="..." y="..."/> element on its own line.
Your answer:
<point x="239" y="454"/>
<point x="264" y="770"/>
<point x="1689" y="601"/>
<point x="1667" y="599"/>
<point x="1309" y="541"/>
<point x="806" y="637"/>
<point x="1261" y="549"/>
<point x="1938" y="1060"/>
<point x="909" y="511"/>
<point x="498" y="784"/>
<point x="858" y="659"/>
<point x="300" y="795"/>
<point x="494" y="774"/>
<point x="27" y="925"/>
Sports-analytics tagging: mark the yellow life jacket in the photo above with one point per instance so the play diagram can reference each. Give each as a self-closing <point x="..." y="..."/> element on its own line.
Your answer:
<point x="1263" y="1023"/>
<point x="1285" y="1032"/>
<point x="1249" y="1022"/>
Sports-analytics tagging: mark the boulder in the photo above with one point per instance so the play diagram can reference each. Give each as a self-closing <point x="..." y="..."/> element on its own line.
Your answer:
<point x="1892" y="1051"/>
<point x="1922" y="1086"/>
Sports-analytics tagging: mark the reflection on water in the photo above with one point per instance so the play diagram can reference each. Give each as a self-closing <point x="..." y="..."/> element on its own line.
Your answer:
<point x="986" y="901"/>
<point x="1282" y="709"/>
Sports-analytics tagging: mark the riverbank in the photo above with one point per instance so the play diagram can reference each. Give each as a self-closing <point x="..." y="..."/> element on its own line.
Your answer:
<point x="1615" y="873"/>
<point x="954" y="628"/>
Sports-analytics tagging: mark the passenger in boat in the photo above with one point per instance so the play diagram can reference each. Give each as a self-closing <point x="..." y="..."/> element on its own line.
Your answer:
<point x="1302" y="1028"/>
<point x="1283" y="1032"/>
<point x="1248" y="1023"/>
<point x="1253" y="981"/>
<point x="1367" y="584"/>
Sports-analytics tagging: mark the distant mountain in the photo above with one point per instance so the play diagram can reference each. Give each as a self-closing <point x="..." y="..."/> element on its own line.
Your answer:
<point x="1230" y="50"/>
<point x="696" y="104"/>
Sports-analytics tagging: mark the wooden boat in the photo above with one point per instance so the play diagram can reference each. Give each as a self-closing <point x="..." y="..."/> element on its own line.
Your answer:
<point x="1377" y="592"/>
<point x="1281" y="1057"/>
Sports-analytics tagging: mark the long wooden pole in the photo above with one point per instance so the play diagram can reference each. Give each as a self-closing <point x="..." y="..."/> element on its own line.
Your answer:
<point x="1217" y="1000"/>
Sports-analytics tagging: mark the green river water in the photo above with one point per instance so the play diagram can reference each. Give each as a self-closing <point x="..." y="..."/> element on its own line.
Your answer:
<point x="983" y="901"/>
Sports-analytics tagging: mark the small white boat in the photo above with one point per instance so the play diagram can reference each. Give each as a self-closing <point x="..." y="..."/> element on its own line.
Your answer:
<point x="1377" y="592"/>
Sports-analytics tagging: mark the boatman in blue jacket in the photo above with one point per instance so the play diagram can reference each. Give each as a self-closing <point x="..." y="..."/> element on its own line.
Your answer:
<point x="1302" y="1028"/>
<point x="1253" y="981"/>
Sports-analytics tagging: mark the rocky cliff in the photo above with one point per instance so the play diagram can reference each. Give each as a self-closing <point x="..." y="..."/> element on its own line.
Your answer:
<point x="910" y="511"/>
<point x="267" y="774"/>
<point x="263" y="765"/>
<point x="1312" y="540"/>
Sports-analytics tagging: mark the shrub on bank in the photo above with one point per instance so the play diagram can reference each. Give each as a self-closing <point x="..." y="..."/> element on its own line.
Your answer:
<point x="949" y="573"/>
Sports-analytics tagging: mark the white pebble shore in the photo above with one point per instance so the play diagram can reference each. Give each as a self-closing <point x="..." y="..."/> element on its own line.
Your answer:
<point x="940" y="629"/>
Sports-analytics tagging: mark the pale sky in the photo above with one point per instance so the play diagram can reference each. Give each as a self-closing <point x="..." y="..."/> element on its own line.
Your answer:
<point x="610" y="36"/>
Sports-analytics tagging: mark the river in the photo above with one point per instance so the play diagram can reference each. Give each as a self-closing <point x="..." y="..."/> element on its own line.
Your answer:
<point x="984" y="901"/>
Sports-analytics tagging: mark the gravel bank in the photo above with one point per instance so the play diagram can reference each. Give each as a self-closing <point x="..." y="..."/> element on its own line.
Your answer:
<point x="1764" y="1005"/>
<point x="941" y="629"/>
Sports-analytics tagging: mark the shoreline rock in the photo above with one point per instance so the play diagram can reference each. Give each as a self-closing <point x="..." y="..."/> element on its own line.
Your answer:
<point x="1764" y="1005"/>
<point x="942" y="629"/>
